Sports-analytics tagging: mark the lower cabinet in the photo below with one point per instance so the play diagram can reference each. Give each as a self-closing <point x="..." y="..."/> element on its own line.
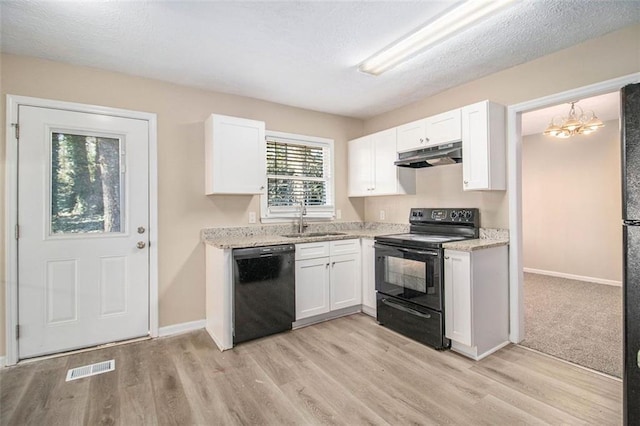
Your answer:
<point x="476" y="290"/>
<point x="368" y="277"/>
<point x="312" y="287"/>
<point x="327" y="277"/>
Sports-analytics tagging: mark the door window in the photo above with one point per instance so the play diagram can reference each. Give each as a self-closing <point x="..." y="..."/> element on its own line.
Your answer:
<point x="86" y="184"/>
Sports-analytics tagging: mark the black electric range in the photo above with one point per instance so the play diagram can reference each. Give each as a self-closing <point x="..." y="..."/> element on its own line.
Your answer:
<point x="410" y="272"/>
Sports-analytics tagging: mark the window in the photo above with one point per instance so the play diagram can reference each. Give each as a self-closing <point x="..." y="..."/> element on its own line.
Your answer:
<point x="299" y="170"/>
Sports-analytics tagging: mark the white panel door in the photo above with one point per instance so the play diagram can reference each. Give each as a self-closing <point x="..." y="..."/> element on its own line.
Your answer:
<point x="475" y="150"/>
<point x="386" y="172"/>
<point x="457" y="297"/>
<point x="361" y="167"/>
<point x="346" y="285"/>
<point x="312" y="287"/>
<point x="83" y="212"/>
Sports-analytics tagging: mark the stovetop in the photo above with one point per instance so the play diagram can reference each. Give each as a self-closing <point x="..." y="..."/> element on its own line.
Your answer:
<point x="430" y="228"/>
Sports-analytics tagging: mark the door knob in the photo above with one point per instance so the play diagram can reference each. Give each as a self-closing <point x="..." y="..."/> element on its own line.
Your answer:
<point x="141" y="229"/>
<point x="141" y="244"/>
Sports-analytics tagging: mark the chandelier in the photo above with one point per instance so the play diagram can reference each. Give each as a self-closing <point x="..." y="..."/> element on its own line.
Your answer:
<point x="573" y="124"/>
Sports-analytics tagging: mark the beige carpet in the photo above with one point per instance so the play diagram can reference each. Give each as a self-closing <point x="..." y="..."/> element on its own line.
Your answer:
<point x="574" y="320"/>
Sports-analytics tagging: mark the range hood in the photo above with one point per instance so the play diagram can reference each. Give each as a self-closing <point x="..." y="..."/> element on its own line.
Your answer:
<point x="439" y="155"/>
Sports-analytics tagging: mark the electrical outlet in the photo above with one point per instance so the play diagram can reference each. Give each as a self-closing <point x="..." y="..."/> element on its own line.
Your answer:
<point x="338" y="214"/>
<point x="382" y="215"/>
<point x="252" y="217"/>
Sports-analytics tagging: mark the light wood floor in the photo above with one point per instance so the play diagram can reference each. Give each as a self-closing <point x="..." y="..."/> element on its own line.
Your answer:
<point x="347" y="371"/>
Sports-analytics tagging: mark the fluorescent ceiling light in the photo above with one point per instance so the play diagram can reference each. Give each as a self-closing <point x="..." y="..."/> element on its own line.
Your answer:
<point x="447" y="25"/>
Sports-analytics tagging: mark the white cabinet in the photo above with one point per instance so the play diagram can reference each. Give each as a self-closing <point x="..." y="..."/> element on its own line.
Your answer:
<point x="235" y="155"/>
<point x="372" y="170"/>
<point x="346" y="288"/>
<point x="483" y="146"/>
<point x="330" y="282"/>
<point x="430" y="131"/>
<point x="312" y="287"/>
<point x="368" y="277"/>
<point x="477" y="300"/>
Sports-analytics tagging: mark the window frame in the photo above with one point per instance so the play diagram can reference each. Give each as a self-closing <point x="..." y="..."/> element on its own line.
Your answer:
<point x="286" y="213"/>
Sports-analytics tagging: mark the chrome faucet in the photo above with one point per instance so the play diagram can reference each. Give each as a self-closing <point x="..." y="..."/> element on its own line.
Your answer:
<point x="303" y="211"/>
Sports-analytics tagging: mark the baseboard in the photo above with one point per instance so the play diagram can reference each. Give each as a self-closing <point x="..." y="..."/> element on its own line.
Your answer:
<point x="573" y="277"/>
<point x="326" y="317"/>
<point x="184" y="327"/>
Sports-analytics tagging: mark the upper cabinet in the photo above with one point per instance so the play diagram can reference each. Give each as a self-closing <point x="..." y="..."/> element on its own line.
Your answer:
<point x="235" y="155"/>
<point x="483" y="146"/>
<point x="372" y="170"/>
<point x="430" y="131"/>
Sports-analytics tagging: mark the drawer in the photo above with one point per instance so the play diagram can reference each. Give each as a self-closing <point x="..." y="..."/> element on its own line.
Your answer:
<point x="344" y="247"/>
<point x="312" y="250"/>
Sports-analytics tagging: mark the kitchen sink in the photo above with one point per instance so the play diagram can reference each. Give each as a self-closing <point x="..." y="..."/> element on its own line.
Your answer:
<point x="313" y="234"/>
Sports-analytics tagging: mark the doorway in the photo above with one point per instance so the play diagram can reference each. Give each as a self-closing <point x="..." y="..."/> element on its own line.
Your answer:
<point x="514" y="160"/>
<point x="83" y="265"/>
<point x="572" y="244"/>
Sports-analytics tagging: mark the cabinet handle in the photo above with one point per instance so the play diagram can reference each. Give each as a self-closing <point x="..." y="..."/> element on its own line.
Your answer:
<point x="333" y="264"/>
<point x="427" y="139"/>
<point x="326" y="266"/>
<point x="421" y="140"/>
<point x="466" y="182"/>
<point x="262" y="187"/>
<point x="446" y="258"/>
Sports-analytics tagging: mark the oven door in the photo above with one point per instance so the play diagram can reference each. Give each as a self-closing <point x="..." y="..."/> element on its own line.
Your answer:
<point x="413" y="275"/>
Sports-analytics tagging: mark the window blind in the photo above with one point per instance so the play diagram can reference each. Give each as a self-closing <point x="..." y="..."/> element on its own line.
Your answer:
<point x="296" y="173"/>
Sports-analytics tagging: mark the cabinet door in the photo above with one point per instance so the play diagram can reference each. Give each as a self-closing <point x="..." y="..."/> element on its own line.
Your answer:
<point x="368" y="275"/>
<point x="361" y="167"/>
<point x="235" y="155"/>
<point x="412" y="135"/>
<point x="385" y="171"/>
<point x="475" y="163"/>
<point x="346" y="287"/>
<point x="312" y="287"/>
<point x="457" y="296"/>
<point x="445" y="127"/>
<point x="483" y="147"/>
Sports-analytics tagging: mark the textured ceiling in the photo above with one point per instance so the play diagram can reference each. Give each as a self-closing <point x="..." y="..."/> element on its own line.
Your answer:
<point x="303" y="54"/>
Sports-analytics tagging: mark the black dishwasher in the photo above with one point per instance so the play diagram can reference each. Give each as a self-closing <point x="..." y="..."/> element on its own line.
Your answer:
<point x="263" y="291"/>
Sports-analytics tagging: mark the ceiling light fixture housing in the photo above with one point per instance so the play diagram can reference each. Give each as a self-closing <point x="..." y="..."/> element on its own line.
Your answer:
<point x="573" y="124"/>
<point x="462" y="17"/>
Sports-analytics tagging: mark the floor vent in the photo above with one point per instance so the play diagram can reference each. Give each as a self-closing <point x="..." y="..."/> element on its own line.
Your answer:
<point x="91" y="370"/>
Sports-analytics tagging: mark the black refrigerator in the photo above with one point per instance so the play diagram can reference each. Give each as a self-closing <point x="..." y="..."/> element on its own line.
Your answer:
<point x="630" y="126"/>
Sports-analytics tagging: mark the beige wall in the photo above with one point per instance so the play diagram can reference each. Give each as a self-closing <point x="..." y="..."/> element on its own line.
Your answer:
<point x="183" y="208"/>
<point x="571" y="204"/>
<point x="607" y="57"/>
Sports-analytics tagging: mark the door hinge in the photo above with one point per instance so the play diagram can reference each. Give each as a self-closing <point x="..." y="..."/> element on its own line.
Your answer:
<point x="16" y="128"/>
<point x="17" y="232"/>
<point x="17" y="331"/>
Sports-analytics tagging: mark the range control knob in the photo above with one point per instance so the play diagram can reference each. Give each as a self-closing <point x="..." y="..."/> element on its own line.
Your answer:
<point x="454" y="214"/>
<point x="468" y="214"/>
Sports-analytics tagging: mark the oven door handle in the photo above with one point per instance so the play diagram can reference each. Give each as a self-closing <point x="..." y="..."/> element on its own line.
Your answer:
<point x="430" y="253"/>
<point x="404" y="308"/>
<point x="405" y="250"/>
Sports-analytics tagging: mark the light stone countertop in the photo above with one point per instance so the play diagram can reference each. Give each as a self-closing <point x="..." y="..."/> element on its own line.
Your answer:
<point x="477" y="244"/>
<point x="266" y="235"/>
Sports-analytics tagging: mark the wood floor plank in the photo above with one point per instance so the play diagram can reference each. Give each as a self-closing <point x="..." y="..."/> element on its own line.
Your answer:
<point x="171" y="404"/>
<point x="346" y="371"/>
<point x="588" y="406"/>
